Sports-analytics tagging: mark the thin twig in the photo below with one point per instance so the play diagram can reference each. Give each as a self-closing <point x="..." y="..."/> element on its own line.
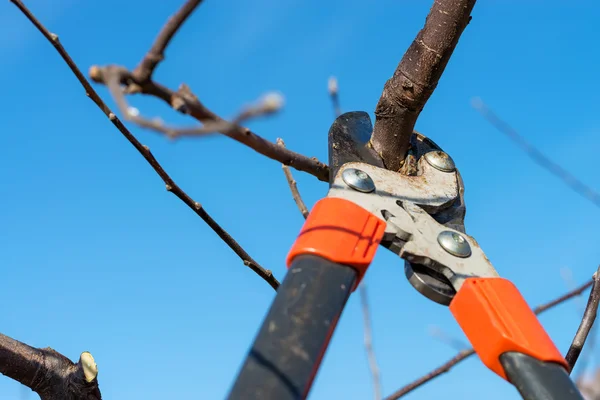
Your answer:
<point x="456" y="343"/>
<point x="559" y="300"/>
<point x="171" y="186"/>
<point x="536" y="155"/>
<point x="332" y="86"/>
<point x="467" y="353"/>
<point x="368" y="340"/>
<point x="293" y="186"/>
<point x="463" y="355"/>
<point x="156" y="54"/>
<point x="589" y="316"/>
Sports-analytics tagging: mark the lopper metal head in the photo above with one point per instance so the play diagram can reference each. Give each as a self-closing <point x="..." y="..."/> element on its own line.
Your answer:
<point x="423" y="206"/>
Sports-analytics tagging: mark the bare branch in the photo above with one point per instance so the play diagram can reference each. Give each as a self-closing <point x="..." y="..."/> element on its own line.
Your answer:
<point x="49" y="373"/>
<point x="156" y="54"/>
<point x="559" y="300"/>
<point x="186" y="102"/>
<point x="267" y="105"/>
<point x="416" y="77"/>
<point x="467" y="353"/>
<point x="537" y="156"/>
<point x="171" y="186"/>
<point x="431" y="375"/>
<point x="293" y="186"/>
<point x="454" y="342"/>
<point x="368" y="338"/>
<point x="589" y="316"/>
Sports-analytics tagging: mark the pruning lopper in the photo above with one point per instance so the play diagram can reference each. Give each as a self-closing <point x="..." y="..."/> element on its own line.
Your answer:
<point x="418" y="215"/>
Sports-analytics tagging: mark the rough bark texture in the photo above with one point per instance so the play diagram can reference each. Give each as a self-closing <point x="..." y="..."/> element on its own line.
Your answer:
<point x="156" y="54"/>
<point x="49" y="373"/>
<point x="416" y="77"/>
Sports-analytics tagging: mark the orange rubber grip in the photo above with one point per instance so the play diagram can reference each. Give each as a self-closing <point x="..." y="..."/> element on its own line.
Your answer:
<point x="342" y="232"/>
<point x="496" y="319"/>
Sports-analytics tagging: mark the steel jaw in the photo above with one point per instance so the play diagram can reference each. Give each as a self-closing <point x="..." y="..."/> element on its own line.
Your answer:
<point x="425" y="221"/>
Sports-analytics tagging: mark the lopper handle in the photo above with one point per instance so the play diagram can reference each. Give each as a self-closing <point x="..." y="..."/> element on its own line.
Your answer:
<point x="509" y="339"/>
<point x="331" y="254"/>
<point x="286" y="354"/>
<point x="539" y="380"/>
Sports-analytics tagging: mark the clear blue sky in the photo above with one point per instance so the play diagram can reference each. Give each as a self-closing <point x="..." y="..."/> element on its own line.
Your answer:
<point x="97" y="256"/>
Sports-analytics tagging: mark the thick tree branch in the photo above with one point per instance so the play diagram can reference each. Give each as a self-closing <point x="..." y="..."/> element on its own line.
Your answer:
<point x="143" y="72"/>
<point x="416" y="77"/>
<point x="49" y="373"/>
<point x="171" y="186"/>
<point x="589" y="316"/>
<point x="467" y="353"/>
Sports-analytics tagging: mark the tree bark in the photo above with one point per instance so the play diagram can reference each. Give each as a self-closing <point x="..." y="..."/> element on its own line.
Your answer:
<point x="49" y="373"/>
<point x="416" y="77"/>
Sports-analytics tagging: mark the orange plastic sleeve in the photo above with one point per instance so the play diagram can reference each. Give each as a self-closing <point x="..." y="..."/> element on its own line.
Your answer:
<point x="496" y="319"/>
<point x="342" y="232"/>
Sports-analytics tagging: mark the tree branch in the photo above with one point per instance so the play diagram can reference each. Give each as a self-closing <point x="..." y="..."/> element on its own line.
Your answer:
<point x="184" y="101"/>
<point x="269" y="104"/>
<point x="293" y="186"/>
<point x="48" y="373"/>
<point x="537" y="156"/>
<point x="171" y="186"/>
<point x="587" y="322"/>
<point x="416" y="77"/>
<point x="368" y="339"/>
<point x="332" y="87"/>
<point x="143" y="72"/>
<point x="467" y="353"/>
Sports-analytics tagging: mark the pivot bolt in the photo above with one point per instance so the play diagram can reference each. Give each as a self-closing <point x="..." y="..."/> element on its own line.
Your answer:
<point x="454" y="243"/>
<point x="440" y="160"/>
<point x="358" y="180"/>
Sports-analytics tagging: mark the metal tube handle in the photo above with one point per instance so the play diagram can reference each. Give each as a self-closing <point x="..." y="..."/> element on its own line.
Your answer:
<point x="287" y="352"/>
<point x="539" y="380"/>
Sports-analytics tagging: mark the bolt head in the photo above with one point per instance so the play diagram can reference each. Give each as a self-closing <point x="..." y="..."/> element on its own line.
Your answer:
<point x="358" y="180"/>
<point x="454" y="243"/>
<point x="440" y="160"/>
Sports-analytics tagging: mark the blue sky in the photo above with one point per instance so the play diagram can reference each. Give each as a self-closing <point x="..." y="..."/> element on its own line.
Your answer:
<point x="98" y="256"/>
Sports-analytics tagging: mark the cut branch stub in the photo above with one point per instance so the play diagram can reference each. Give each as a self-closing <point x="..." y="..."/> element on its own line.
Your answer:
<point x="49" y="373"/>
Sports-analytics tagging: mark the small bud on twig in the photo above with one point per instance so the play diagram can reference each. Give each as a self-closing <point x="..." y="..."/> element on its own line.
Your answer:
<point x="332" y="86"/>
<point x="272" y="102"/>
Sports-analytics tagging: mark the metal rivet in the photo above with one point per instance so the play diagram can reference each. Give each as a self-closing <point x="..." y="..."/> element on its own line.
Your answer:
<point x="440" y="160"/>
<point x="358" y="180"/>
<point x="454" y="243"/>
